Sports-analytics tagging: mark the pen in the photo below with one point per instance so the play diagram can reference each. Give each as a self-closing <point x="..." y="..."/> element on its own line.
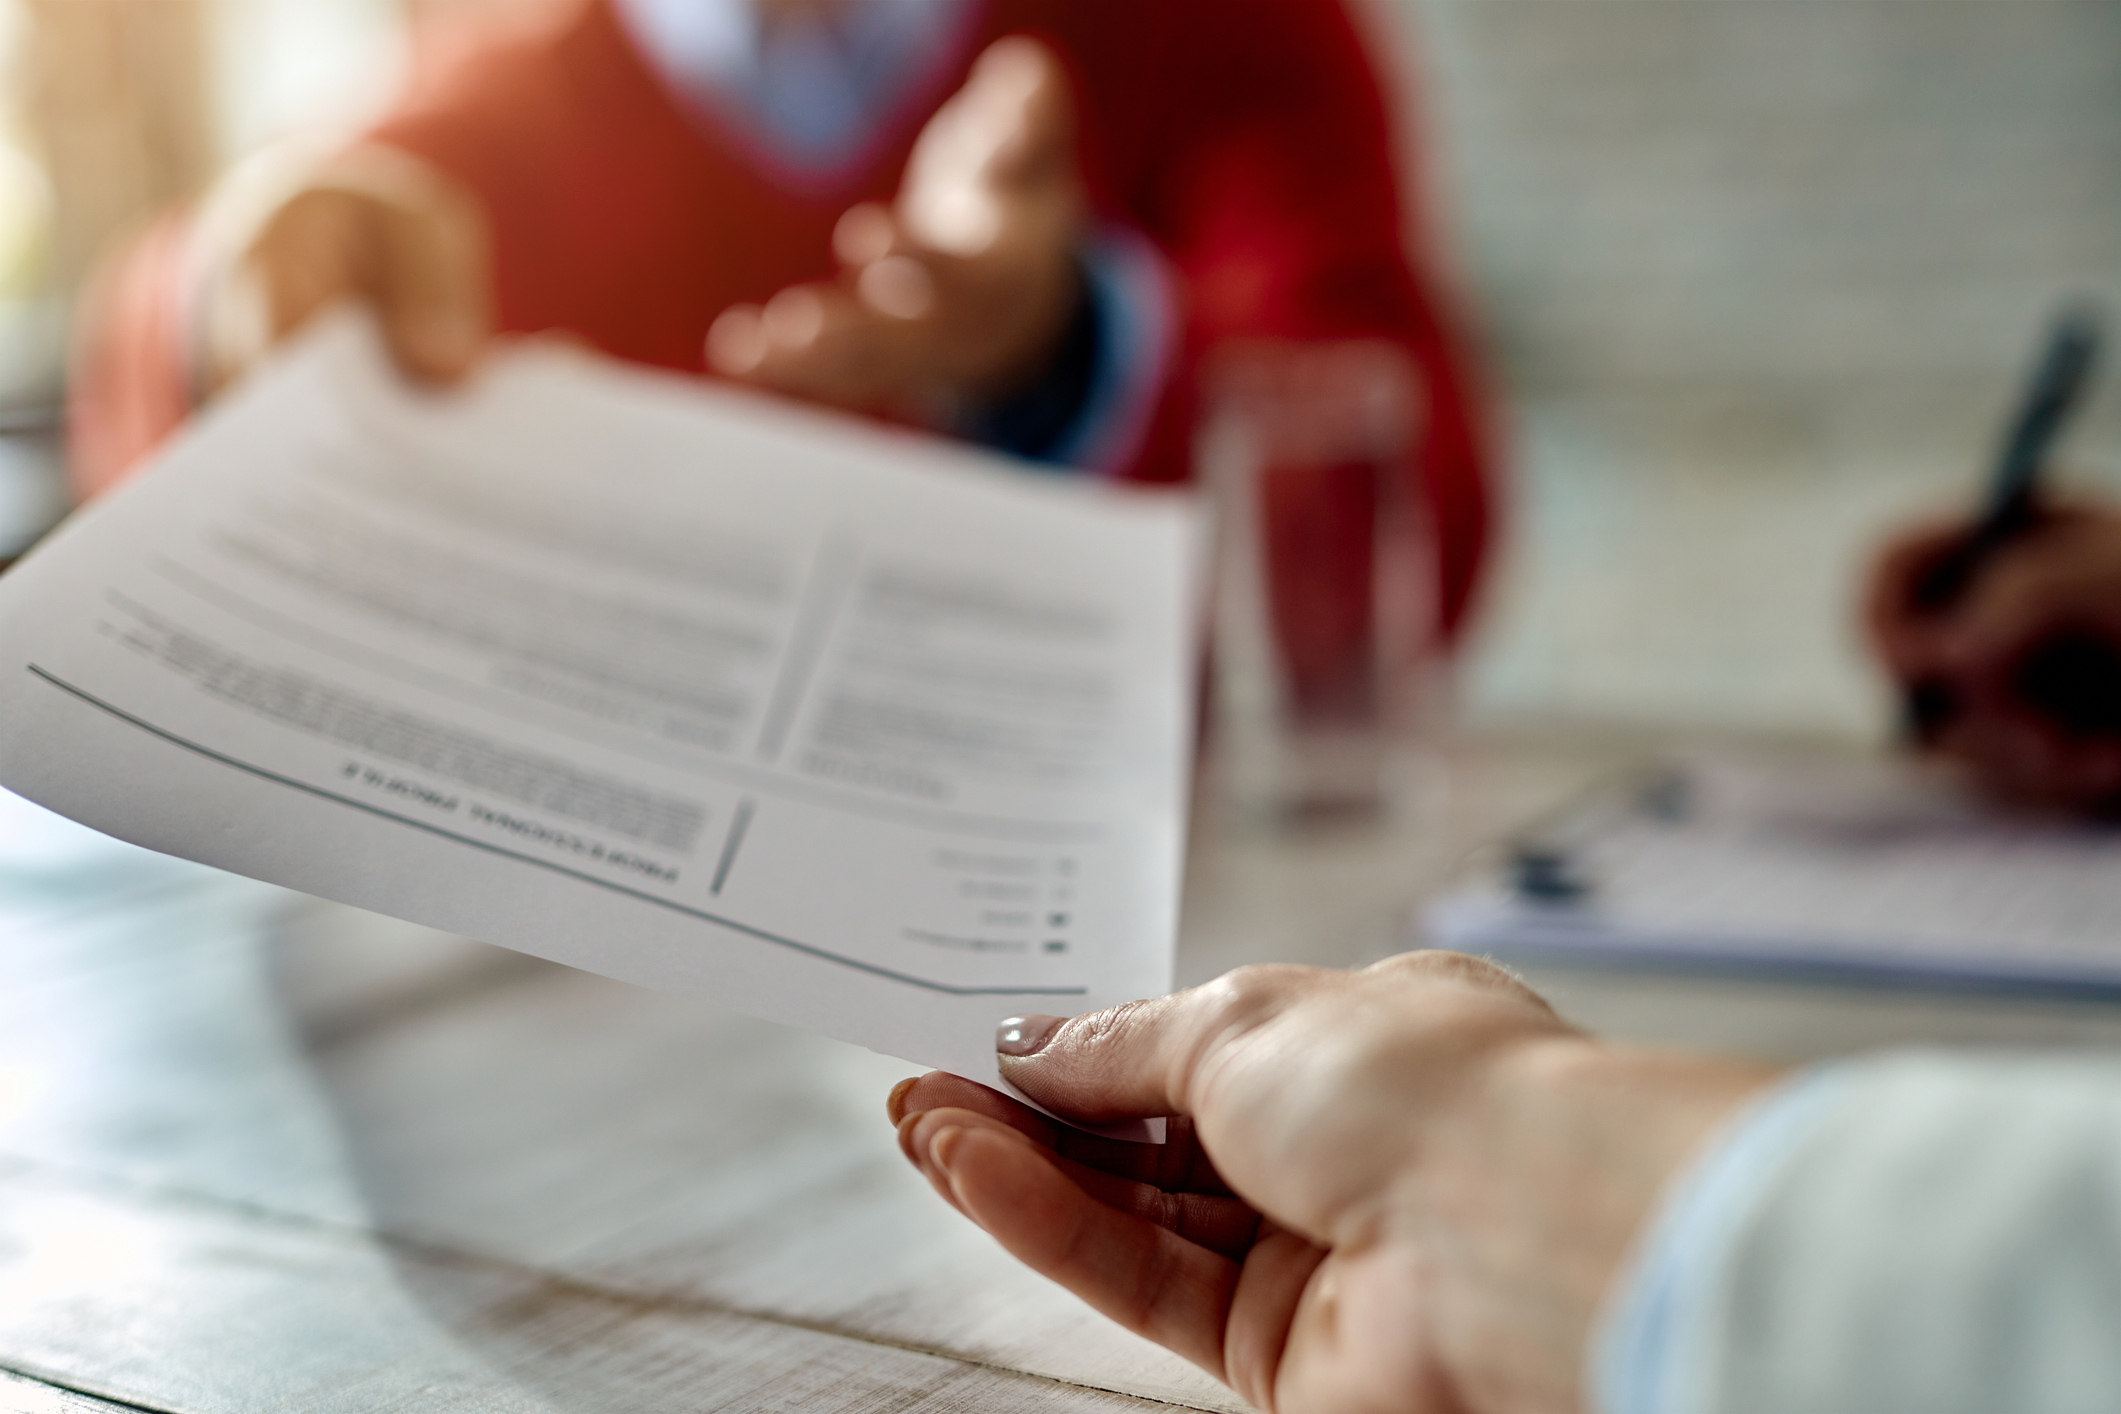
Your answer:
<point x="2053" y="393"/>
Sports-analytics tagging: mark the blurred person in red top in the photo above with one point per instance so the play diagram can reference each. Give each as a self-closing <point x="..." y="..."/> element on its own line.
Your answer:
<point x="1024" y="222"/>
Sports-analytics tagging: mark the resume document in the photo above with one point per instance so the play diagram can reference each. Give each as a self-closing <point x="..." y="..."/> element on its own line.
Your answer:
<point x="845" y="728"/>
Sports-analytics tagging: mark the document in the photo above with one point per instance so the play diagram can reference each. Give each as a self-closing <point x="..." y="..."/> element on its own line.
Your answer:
<point x="1839" y="867"/>
<point x="845" y="728"/>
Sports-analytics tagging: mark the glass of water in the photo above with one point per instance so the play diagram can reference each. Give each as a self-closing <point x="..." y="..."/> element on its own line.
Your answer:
<point x="1326" y="679"/>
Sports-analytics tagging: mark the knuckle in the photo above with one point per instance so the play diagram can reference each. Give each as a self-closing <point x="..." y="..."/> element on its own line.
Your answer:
<point x="1238" y="1005"/>
<point x="1243" y="998"/>
<point x="1450" y="966"/>
<point x="1460" y="969"/>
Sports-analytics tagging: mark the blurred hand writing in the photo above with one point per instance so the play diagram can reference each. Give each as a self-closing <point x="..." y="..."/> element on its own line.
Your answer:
<point x="2024" y="669"/>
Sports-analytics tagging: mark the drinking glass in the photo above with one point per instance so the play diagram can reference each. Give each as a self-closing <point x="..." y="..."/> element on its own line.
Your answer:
<point x="1326" y="683"/>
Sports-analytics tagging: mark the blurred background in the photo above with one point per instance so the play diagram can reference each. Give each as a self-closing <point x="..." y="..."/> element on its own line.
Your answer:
<point x="1754" y="279"/>
<point x="1759" y="277"/>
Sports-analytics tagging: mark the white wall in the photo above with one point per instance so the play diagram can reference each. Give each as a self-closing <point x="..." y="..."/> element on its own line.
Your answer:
<point x="281" y="65"/>
<point x="1758" y="275"/>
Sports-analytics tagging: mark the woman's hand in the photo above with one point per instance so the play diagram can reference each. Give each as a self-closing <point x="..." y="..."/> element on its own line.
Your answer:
<point x="963" y="287"/>
<point x="1405" y="1188"/>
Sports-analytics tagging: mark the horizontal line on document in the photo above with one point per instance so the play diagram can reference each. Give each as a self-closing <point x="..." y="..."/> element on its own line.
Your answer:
<point x="760" y="934"/>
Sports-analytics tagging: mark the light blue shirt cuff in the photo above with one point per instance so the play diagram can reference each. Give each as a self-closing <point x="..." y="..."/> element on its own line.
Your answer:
<point x="1131" y="287"/>
<point x="1636" y="1359"/>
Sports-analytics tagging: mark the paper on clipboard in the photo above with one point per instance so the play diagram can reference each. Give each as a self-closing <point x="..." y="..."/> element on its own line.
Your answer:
<point x="1791" y="863"/>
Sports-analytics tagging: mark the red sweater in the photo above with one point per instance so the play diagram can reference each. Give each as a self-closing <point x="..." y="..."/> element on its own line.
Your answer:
<point x="1248" y="140"/>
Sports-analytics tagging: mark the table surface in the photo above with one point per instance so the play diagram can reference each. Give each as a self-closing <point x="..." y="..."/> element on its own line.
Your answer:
<point x="258" y="1151"/>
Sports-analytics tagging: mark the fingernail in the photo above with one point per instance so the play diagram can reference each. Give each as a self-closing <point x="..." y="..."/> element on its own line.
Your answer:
<point x="1026" y="1035"/>
<point x="895" y="1102"/>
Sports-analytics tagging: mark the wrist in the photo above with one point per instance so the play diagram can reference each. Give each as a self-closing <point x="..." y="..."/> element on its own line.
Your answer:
<point x="1583" y="1137"/>
<point x="1530" y="1191"/>
<point x="1050" y="308"/>
<point x="1044" y="398"/>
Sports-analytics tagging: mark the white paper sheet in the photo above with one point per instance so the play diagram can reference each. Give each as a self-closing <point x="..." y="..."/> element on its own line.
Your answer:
<point x="1813" y="864"/>
<point x="851" y="730"/>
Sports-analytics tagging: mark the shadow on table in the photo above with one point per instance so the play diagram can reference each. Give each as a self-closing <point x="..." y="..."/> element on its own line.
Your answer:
<point x="615" y="1197"/>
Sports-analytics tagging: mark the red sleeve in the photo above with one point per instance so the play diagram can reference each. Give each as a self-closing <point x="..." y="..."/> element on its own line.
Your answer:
<point x="1278" y="196"/>
<point x="616" y="213"/>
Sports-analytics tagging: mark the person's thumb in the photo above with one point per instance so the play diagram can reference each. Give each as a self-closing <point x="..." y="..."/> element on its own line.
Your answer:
<point x="1009" y="122"/>
<point x="1033" y="121"/>
<point x="432" y="285"/>
<point x="1147" y="1058"/>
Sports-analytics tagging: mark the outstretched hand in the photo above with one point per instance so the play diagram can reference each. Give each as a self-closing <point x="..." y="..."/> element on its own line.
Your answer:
<point x="964" y="286"/>
<point x="1405" y="1188"/>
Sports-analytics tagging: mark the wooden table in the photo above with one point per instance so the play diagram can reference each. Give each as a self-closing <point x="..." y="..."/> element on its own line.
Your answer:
<point x="259" y="1152"/>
